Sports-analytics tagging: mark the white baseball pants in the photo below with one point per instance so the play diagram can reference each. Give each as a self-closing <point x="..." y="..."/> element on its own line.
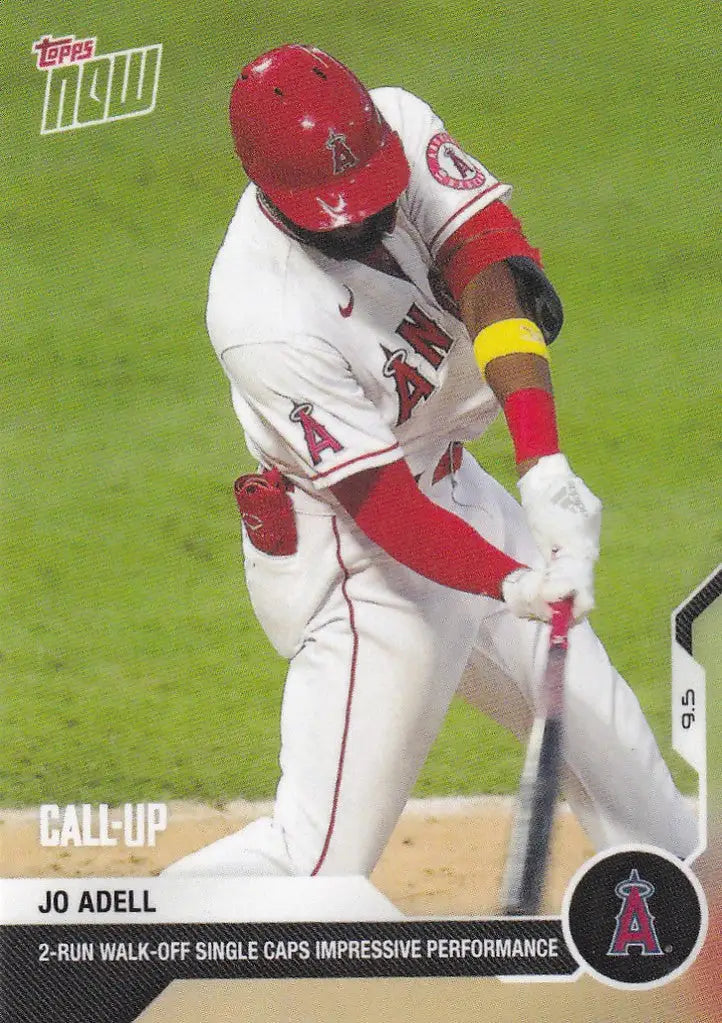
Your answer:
<point x="376" y="653"/>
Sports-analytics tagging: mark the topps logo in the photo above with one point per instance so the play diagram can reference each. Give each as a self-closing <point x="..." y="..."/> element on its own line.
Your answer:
<point x="82" y="89"/>
<point x="54" y="52"/>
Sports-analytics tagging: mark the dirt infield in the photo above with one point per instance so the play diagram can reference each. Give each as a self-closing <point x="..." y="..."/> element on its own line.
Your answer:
<point x="445" y="857"/>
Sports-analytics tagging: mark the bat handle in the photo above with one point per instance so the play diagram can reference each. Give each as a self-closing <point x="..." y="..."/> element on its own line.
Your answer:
<point x="561" y="622"/>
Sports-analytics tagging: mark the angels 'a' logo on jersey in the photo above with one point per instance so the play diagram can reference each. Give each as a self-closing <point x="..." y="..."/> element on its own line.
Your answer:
<point x="318" y="438"/>
<point x="451" y="166"/>
<point x="429" y="341"/>
<point x="342" y="155"/>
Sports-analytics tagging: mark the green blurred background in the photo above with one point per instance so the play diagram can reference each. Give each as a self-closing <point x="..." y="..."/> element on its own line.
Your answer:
<point x="131" y="666"/>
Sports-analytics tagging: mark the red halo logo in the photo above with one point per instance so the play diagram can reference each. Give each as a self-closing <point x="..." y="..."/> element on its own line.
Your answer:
<point x="451" y="166"/>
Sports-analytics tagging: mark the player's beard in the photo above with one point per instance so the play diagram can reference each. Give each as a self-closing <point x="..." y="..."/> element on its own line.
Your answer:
<point x="356" y="241"/>
<point x="352" y="242"/>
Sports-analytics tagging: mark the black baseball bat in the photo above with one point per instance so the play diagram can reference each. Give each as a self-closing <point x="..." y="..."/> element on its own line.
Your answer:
<point x="529" y="844"/>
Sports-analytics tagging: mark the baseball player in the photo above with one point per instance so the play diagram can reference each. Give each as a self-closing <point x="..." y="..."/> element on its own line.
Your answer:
<point x="375" y="304"/>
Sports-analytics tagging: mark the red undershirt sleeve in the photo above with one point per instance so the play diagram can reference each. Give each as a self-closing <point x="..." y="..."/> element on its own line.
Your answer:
<point x="490" y="236"/>
<point x="388" y="506"/>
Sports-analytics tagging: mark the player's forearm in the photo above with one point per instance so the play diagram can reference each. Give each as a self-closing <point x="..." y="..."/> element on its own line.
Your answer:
<point x="390" y="509"/>
<point x="563" y="514"/>
<point x="512" y="356"/>
<point x="511" y="352"/>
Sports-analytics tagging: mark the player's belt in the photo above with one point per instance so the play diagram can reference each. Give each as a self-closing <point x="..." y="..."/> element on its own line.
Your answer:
<point x="449" y="462"/>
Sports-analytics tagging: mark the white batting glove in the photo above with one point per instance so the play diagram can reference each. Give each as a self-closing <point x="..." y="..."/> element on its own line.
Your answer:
<point x="521" y="590"/>
<point x="563" y="514"/>
<point x="530" y="592"/>
<point x="564" y="517"/>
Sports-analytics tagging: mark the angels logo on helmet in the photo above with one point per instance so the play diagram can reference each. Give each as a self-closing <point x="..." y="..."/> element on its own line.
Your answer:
<point x="343" y="156"/>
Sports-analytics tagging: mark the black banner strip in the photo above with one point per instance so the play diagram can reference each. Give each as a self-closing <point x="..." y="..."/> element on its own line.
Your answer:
<point x="101" y="973"/>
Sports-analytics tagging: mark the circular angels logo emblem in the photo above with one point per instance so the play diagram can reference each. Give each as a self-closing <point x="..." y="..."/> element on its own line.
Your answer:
<point x="451" y="166"/>
<point x="636" y="917"/>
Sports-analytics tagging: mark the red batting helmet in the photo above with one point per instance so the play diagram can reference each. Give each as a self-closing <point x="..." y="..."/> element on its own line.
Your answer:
<point x="308" y="134"/>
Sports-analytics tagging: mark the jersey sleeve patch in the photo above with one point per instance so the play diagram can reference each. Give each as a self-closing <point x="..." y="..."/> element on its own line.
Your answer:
<point x="318" y="437"/>
<point x="451" y="166"/>
<point x="447" y="184"/>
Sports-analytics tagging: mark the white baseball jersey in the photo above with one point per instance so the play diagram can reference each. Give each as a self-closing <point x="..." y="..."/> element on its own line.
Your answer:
<point x="337" y="367"/>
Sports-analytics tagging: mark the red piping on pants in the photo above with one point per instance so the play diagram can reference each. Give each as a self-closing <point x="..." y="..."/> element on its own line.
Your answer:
<point x="349" y="700"/>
